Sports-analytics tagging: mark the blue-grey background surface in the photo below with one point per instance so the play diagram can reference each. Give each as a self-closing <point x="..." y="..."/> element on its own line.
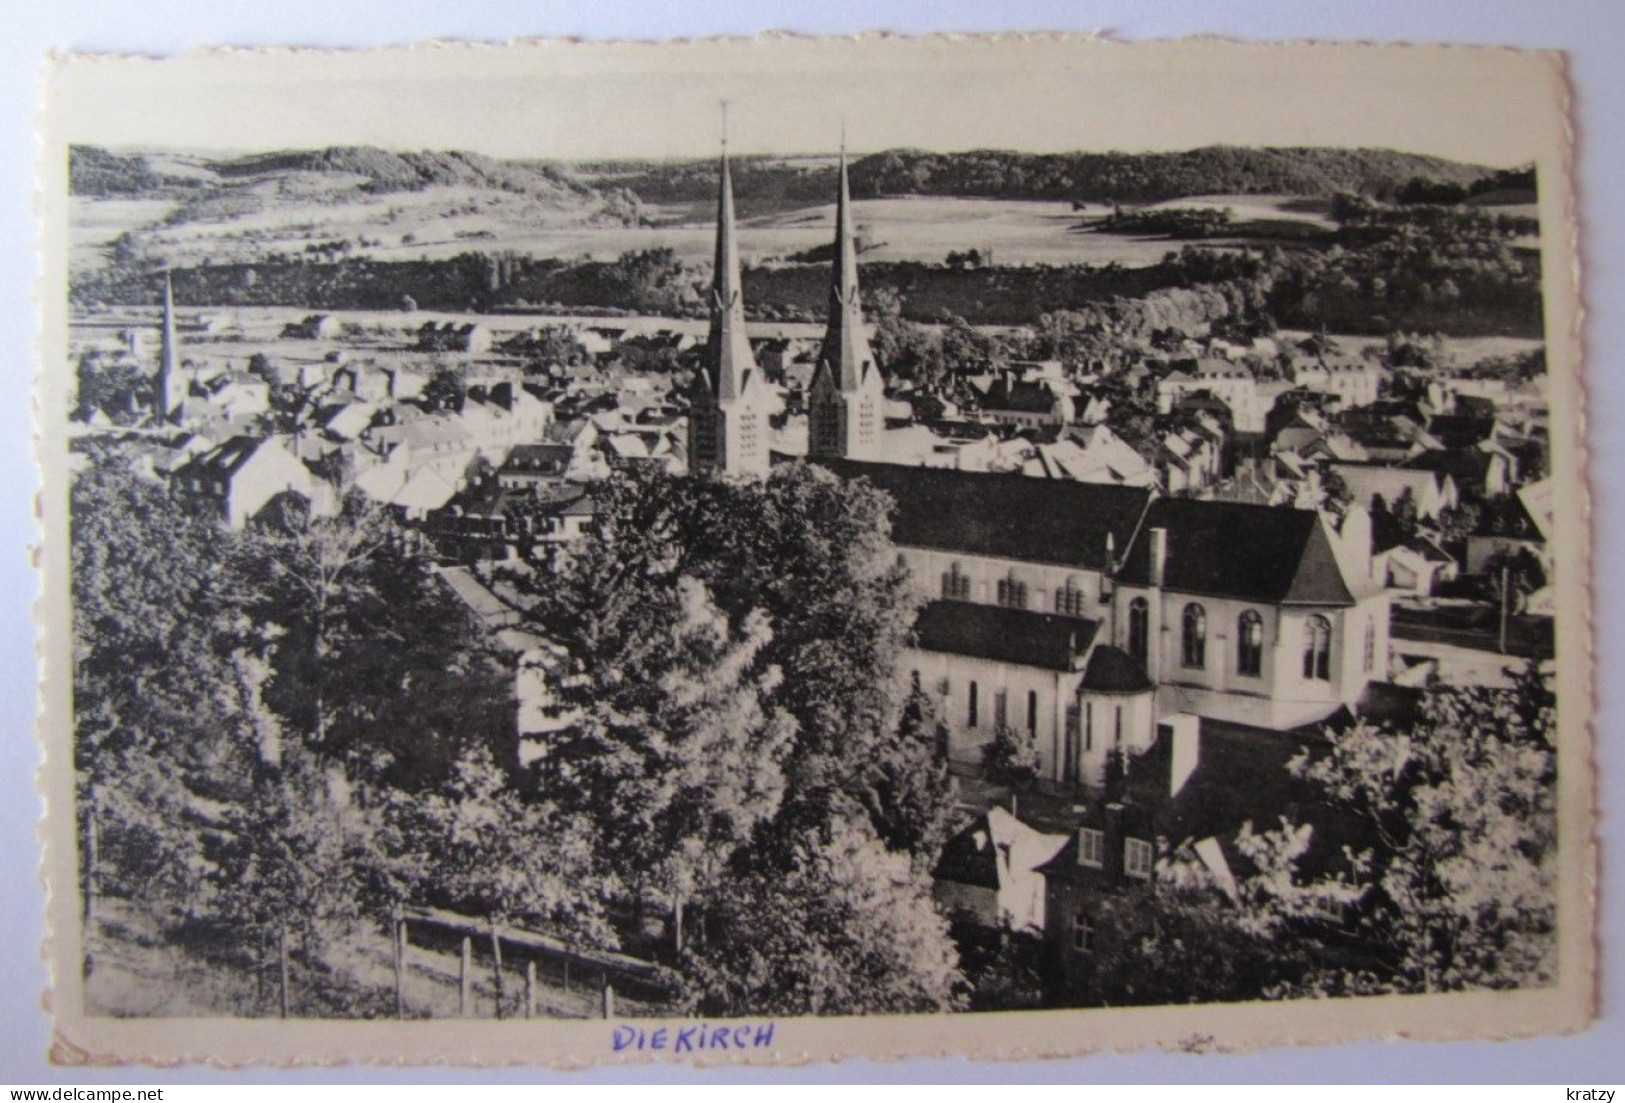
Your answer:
<point x="1592" y="31"/>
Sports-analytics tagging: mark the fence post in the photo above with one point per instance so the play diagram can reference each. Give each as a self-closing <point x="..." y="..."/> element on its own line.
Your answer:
<point x="530" y="989"/>
<point x="496" y="966"/>
<point x="400" y="964"/>
<point x="282" y="967"/>
<point x="609" y="997"/>
<point x="465" y="980"/>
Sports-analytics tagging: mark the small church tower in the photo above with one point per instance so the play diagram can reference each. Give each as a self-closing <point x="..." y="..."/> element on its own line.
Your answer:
<point x="846" y="401"/>
<point x="168" y="388"/>
<point x="728" y="403"/>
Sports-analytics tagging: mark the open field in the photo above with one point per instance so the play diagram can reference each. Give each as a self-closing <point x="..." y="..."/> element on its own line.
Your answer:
<point x="1463" y="351"/>
<point x="303" y="214"/>
<point x="94" y="224"/>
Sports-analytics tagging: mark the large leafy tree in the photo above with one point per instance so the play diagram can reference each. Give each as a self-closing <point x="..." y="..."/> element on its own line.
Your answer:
<point x="376" y="663"/>
<point x="844" y="927"/>
<point x="676" y="748"/>
<point x="808" y="552"/>
<point x="159" y="717"/>
<point x="1453" y="884"/>
<point x="475" y="844"/>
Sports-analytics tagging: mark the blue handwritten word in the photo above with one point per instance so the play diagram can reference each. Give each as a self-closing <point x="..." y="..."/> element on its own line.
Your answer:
<point x="690" y="1039"/>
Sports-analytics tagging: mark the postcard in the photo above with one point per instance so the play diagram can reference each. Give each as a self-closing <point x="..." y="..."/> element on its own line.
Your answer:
<point x="789" y="549"/>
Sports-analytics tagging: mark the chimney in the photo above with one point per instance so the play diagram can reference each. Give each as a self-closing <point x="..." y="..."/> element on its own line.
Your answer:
<point x="1159" y="555"/>
<point x="1185" y="749"/>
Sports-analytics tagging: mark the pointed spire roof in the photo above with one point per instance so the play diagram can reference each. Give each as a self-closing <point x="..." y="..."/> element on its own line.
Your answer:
<point x="846" y="349"/>
<point x="165" y="398"/>
<point x="728" y="359"/>
<point x="168" y="336"/>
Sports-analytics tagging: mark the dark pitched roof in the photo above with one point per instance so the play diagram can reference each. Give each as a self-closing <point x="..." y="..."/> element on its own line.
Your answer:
<point x="229" y="457"/>
<point x="546" y="458"/>
<point x="1459" y="431"/>
<point x="1111" y="670"/>
<point x="1465" y="465"/>
<point x="1019" y="396"/>
<point x="1005" y="516"/>
<point x="1004" y="635"/>
<point x="1117" y="820"/>
<point x="969" y="858"/>
<point x="1267" y="554"/>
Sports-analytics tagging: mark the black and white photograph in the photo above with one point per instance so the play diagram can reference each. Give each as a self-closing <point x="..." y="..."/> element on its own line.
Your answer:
<point x="671" y="548"/>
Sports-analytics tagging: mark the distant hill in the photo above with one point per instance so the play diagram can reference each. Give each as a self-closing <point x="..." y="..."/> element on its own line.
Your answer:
<point x="766" y="182"/>
<point x="773" y="182"/>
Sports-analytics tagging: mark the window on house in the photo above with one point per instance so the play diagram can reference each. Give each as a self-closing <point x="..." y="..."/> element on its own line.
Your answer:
<point x="1137" y="858"/>
<point x="1000" y="708"/>
<point x="1194" y="650"/>
<point x="1012" y="592"/>
<point x="1317" y="649"/>
<point x="1370" y="646"/>
<point x="1088" y="726"/>
<point x="970" y="712"/>
<point x="1139" y="628"/>
<point x="955" y="583"/>
<point x="1083" y="933"/>
<point x="944" y="687"/>
<point x="1250" y="644"/>
<point x="1091" y="847"/>
<point x="1032" y="711"/>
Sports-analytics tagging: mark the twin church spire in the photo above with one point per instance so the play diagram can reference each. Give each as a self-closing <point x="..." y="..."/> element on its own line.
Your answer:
<point x="728" y="431"/>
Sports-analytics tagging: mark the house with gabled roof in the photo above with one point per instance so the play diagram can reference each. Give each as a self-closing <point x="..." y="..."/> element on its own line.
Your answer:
<point x="988" y="874"/>
<point x="236" y="479"/>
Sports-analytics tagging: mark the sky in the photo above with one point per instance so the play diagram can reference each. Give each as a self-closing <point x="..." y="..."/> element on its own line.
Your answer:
<point x="573" y="101"/>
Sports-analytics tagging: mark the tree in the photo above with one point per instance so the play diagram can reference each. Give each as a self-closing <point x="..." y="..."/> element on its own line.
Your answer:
<point x="477" y="845"/>
<point x="1011" y="758"/>
<point x="109" y="385"/>
<point x="911" y="795"/>
<point x="677" y="751"/>
<point x="844" y="927"/>
<point x="156" y="626"/>
<point x="1452" y="882"/>
<point x="312" y="579"/>
<point x="293" y="866"/>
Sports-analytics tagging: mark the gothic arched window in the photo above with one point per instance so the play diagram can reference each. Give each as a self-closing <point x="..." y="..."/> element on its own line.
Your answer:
<point x="956" y="583"/>
<point x="1317" y="649"/>
<point x="1194" y="649"/>
<point x="1250" y="644"/>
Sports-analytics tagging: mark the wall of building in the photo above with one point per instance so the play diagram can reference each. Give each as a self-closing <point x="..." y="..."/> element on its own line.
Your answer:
<point x="1053" y="690"/>
<point x="1280" y="696"/>
<point x="985" y="573"/>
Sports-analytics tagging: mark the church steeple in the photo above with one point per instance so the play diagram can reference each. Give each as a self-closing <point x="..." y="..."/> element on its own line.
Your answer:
<point x="728" y="358"/>
<point x="846" y="400"/>
<point x="728" y="432"/>
<point x="165" y="398"/>
<point x="846" y="348"/>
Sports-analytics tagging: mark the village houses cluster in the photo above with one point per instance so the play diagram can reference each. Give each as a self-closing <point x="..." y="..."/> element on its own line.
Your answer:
<point x="1153" y="618"/>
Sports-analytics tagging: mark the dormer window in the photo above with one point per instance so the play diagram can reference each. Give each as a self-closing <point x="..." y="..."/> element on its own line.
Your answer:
<point x="1091" y="847"/>
<point x="1137" y="858"/>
